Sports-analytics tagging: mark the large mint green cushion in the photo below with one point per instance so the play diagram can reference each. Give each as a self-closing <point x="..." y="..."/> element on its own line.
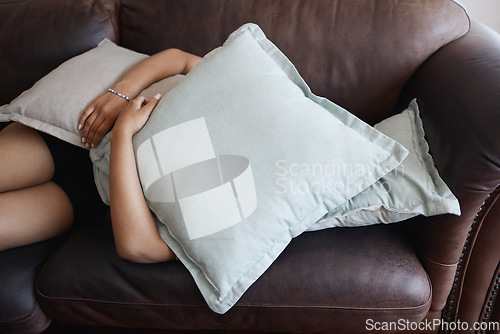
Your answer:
<point x="413" y="188"/>
<point x="217" y="155"/>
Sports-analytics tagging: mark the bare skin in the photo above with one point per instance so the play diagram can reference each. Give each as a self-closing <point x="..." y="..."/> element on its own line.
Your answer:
<point x="101" y="115"/>
<point x="33" y="208"/>
<point x="136" y="236"/>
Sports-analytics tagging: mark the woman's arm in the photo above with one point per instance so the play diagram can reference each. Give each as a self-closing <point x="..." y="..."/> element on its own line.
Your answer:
<point x="135" y="232"/>
<point x="101" y="115"/>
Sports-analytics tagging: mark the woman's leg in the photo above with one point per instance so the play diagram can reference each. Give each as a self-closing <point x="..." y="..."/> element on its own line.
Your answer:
<point x="33" y="214"/>
<point x="25" y="160"/>
<point x="31" y="207"/>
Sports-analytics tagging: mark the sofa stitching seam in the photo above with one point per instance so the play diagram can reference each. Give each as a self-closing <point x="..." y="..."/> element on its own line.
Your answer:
<point x="437" y="262"/>
<point x="381" y="309"/>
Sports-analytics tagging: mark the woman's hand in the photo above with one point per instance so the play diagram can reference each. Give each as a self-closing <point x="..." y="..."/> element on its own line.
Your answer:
<point x="135" y="115"/>
<point x="100" y="117"/>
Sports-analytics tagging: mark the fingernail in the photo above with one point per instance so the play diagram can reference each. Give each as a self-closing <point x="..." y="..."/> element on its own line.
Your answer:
<point x="87" y="145"/>
<point x="92" y="145"/>
<point x="80" y="126"/>
<point x="157" y="96"/>
<point x="84" y="140"/>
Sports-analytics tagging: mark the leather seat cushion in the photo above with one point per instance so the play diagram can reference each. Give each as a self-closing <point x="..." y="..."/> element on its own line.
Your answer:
<point x="341" y="276"/>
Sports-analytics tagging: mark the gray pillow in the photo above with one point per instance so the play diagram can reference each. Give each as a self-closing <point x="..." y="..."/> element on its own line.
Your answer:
<point x="210" y="158"/>
<point x="55" y="102"/>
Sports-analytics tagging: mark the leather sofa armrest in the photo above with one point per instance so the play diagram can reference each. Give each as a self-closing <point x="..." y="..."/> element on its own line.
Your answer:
<point x="458" y="91"/>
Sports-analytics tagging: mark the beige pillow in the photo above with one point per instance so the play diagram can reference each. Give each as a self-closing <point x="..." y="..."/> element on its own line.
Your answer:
<point x="55" y="102"/>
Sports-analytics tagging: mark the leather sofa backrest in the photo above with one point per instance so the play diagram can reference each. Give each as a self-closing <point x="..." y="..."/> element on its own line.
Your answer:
<point x="51" y="32"/>
<point x="358" y="53"/>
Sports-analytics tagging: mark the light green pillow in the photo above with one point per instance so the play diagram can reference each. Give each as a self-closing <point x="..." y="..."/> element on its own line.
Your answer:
<point x="413" y="188"/>
<point x="209" y="161"/>
<point x="55" y="102"/>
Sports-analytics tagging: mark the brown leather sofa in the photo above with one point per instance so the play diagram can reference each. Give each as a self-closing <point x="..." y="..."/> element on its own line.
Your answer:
<point x="371" y="57"/>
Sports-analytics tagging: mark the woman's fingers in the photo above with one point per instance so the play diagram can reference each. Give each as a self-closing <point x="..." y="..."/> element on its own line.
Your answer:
<point x="87" y="126"/>
<point x="84" y="116"/>
<point x="139" y="101"/>
<point x="99" y="128"/>
<point x="96" y="126"/>
<point x="96" y="121"/>
<point x="99" y="118"/>
<point x="151" y="104"/>
<point x="135" y="116"/>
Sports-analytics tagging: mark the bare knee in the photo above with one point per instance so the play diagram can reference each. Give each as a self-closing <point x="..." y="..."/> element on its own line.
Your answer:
<point x="33" y="214"/>
<point x="25" y="159"/>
